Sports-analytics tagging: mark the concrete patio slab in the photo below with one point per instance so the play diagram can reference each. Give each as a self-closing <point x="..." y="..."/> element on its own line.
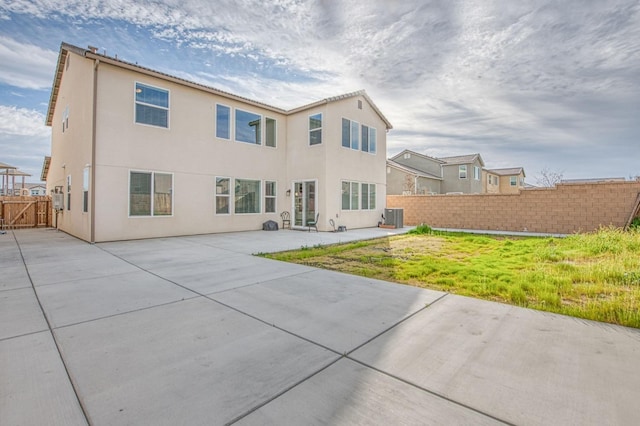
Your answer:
<point x="20" y="313"/>
<point x="520" y="365"/>
<point x="348" y="393"/>
<point x="193" y="362"/>
<point x="335" y="310"/>
<point x="151" y="254"/>
<point x="84" y="300"/>
<point x="344" y="349"/>
<point x="227" y="272"/>
<point x="92" y="265"/>
<point x="35" y="389"/>
<point x="14" y="276"/>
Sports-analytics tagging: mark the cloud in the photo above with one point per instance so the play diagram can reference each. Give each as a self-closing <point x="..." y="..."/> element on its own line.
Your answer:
<point x="22" y="122"/>
<point x="25" y="65"/>
<point x="517" y="81"/>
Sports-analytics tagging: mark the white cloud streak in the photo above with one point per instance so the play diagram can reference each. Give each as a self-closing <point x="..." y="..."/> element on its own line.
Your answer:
<point x="25" y="65"/>
<point x="453" y="76"/>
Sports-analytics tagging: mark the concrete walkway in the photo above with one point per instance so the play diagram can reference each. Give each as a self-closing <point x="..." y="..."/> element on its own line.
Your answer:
<point x="194" y="330"/>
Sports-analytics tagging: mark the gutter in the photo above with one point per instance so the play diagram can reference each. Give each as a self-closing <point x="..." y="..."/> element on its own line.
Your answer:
<point x="92" y="172"/>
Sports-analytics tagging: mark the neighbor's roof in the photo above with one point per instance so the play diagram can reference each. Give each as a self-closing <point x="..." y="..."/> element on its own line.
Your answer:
<point x="5" y="166"/>
<point x="408" y="151"/>
<point x="514" y="171"/>
<point x="92" y="53"/>
<point x="14" y="172"/>
<point x="411" y="170"/>
<point x="462" y="159"/>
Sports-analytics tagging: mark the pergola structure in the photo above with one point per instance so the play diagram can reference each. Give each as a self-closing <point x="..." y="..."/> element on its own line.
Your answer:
<point x="9" y="174"/>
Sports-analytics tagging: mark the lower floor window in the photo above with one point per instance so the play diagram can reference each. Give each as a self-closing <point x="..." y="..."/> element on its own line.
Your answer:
<point x="368" y="196"/>
<point x="222" y="195"/>
<point x="269" y="197"/>
<point x="358" y="196"/>
<point x="247" y="196"/>
<point x="150" y="194"/>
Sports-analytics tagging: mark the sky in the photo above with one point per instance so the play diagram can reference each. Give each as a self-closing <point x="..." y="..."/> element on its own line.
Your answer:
<point x="544" y="85"/>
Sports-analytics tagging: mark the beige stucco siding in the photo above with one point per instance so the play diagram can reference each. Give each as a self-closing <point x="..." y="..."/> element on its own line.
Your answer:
<point x="71" y="149"/>
<point x="188" y="149"/>
<point x="345" y="164"/>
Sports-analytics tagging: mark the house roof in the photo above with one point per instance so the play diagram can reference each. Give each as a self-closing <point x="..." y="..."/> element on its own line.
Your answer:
<point x="92" y="53"/>
<point x="401" y="154"/>
<point x="411" y="170"/>
<point x="45" y="168"/>
<point x="342" y="97"/>
<point x="462" y="159"/>
<point x="514" y="171"/>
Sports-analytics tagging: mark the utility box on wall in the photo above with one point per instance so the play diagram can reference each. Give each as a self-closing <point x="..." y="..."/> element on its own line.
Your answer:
<point x="58" y="201"/>
<point x="394" y="217"/>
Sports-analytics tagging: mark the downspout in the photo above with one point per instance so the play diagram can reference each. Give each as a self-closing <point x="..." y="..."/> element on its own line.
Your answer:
<point x="92" y="183"/>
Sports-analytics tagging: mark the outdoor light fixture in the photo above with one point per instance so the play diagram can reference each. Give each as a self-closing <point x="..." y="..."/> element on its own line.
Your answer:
<point x="288" y="193"/>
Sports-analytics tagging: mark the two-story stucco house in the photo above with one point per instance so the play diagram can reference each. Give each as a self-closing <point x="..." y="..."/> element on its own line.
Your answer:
<point x="410" y="172"/>
<point x="138" y="153"/>
<point x="503" y="181"/>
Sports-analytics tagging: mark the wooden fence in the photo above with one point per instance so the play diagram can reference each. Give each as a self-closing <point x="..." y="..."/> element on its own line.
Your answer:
<point x="25" y="212"/>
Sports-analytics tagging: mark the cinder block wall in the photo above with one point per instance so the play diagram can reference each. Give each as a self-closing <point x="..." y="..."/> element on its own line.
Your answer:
<point x="565" y="209"/>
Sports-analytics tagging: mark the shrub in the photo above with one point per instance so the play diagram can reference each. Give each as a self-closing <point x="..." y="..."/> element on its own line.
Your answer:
<point x="421" y="229"/>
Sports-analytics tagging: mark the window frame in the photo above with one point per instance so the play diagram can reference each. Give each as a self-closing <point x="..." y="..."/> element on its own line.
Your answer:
<point x="222" y="195"/>
<point x="152" y="194"/>
<point x="266" y="132"/>
<point x="258" y="198"/>
<point x="273" y="196"/>
<point x="68" y="192"/>
<point x="348" y="130"/>
<point x="462" y="171"/>
<point x="86" y="176"/>
<point x="315" y="129"/>
<point x="136" y="102"/>
<point x="259" y="131"/>
<point x="513" y="180"/>
<point x="229" y="124"/>
<point x="476" y="173"/>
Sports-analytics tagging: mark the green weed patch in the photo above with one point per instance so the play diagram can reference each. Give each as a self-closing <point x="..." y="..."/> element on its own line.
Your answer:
<point x="593" y="276"/>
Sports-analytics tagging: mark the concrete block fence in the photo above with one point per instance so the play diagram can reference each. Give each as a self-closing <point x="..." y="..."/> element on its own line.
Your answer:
<point x="564" y="209"/>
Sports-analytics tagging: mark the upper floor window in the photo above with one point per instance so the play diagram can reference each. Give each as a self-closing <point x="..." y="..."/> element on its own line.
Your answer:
<point x="513" y="180"/>
<point x="353" y="134"/>
<point x="315" y="129"/>
<point x="462" y="171"/>
<point x="248" y="127"/>
<point x="476" y="172"/>
<point x="152" y="105"/>
<point x="223" y="122"/>
<point x="65" y="119"/>
<point x="270" y="132"/>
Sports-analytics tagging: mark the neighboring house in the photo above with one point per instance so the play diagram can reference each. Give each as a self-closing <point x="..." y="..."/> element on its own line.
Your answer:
<point x="462" y="173"/>
<point x="138" y="153"/>
<point x="36" y="189"/>
<point x="413" y="173"/>
<point x="503" y="181"/>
